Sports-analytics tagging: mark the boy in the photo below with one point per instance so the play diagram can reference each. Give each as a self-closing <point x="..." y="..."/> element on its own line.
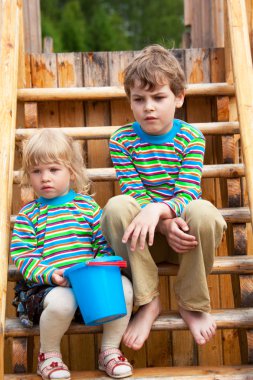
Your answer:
<point x="160" y="217"/>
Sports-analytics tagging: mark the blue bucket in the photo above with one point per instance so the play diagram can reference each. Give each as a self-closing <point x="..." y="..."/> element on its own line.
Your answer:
<point x="97" y="286"/>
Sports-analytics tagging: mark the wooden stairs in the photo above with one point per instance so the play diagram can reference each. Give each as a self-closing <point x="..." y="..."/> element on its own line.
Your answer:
<point x="229" y="172"/>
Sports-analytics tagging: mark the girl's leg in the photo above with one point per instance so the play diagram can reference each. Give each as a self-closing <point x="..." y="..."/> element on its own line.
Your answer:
<point x="59" y="309"/>
<point x="111" y="359"/>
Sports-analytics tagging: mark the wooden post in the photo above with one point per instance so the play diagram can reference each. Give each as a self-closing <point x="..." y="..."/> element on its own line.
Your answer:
<point x="32" y="26"/>
<point x="8" y="104"/>
<point x="243" y="77"/>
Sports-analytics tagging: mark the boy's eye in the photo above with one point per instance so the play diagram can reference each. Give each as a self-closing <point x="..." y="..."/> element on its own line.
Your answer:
<point x="137" y="99"/>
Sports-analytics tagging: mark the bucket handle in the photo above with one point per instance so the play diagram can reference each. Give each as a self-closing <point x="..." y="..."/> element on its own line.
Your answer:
<point x="120" y="264"/>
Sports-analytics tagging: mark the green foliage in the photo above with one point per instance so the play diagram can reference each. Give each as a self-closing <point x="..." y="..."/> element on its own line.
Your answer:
<point x="105" y="25"/>
<point x="73" y="28"/>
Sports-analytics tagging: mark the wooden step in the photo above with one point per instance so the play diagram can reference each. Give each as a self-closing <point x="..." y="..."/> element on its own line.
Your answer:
<point x="209" y="171"/>
<point x="236" y="214"/>
<point x="242" y="372"/>
<point x="225" y="319"/>
<point x="222" y="265"/>
<point x="231" y="215"/>
<point x="104" y="132"/>
<point x="112" y="92"/>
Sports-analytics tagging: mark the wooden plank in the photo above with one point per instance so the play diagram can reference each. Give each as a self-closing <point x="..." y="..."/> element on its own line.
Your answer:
<point x="96" y="73"/>
<point x="188" y="12"/>
<point x="44" y="74"/>
<point x="9" y="54"/>
<point x="222" y="265"/>
<point x="103" y="132"/>
<point x="112" y="92"/>
<point x="32" y="26"/>
<point x="168" y="373"/>
<point x="217" y="21"/>
<point x="209" y="171"/>
<point x="196" y="30"/>
<point x="225" y="319"/>
<point x="231" y="215"/>
<point x="19" y="355"/>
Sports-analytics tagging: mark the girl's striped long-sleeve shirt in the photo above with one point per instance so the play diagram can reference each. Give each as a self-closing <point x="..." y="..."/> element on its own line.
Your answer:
<point x="56" y="233"/>
<point x="163" y="168"/>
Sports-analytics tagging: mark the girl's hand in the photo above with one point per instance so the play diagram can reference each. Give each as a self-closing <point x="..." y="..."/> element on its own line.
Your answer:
<point x="144" y="225"/>
<point x="58" y="279"/>
<point x="176" y="232"/>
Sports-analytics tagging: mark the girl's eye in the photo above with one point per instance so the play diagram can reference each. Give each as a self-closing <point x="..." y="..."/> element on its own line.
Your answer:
<point x="54" y="170"/>
<point x="35" y="171"/>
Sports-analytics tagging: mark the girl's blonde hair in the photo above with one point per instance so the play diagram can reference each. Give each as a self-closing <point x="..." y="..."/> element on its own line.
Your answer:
<point x="52" y="145"/>
<point x="153" y="66"/>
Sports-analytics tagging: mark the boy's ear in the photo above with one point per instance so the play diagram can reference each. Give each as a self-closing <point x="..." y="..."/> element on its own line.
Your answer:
<point x="180" y="99"/>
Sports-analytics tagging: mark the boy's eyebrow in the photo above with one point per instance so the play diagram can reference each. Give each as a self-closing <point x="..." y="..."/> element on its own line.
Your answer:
<point x="152" y="93"/>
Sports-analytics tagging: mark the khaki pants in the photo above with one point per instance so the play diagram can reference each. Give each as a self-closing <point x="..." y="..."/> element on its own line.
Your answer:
<point x="191" y="290"/>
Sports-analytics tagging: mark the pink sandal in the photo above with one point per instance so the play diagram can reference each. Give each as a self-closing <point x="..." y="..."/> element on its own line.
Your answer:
<point x="51" y="367"/>
<point x="114" y="363"/>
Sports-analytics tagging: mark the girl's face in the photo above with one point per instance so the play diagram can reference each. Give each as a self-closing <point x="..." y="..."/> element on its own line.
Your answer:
<point x="50" y="180"/>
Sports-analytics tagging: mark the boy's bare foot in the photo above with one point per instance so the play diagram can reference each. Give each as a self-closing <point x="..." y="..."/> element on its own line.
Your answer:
<point x="139" y="327"/>
<point x="201" y="325"/>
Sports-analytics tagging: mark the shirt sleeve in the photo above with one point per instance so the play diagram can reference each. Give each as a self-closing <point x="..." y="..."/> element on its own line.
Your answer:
<point x="99" y="244"/>
<point x="26" y="255"/>
<point x="129" y="179"/>
<point x="188" y="183"/>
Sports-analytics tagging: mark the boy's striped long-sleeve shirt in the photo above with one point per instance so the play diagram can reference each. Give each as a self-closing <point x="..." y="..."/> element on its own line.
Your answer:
<point x="163" y="168"/>
<point x="56" y="233"/>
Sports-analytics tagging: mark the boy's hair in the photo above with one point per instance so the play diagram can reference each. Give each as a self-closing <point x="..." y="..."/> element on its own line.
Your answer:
<point x="153" y="66"/>
<point x="52" y="145"/>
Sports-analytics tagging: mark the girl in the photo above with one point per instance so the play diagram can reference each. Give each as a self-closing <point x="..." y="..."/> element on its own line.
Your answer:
<point x="53" y="232"/>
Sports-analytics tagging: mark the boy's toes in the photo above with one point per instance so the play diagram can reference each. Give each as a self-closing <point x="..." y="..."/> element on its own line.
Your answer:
<point x="201" y="341"/>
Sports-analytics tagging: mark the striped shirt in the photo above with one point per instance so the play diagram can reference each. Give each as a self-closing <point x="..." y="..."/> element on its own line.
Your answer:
<point x="56" y="233"/>
<point x="163" y="168"/>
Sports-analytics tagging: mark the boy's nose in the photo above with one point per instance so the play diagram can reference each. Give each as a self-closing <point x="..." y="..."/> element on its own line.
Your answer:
<point x="149" y="106"/>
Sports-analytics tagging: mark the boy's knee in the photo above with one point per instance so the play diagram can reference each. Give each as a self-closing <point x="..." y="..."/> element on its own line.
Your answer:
<point x="203" y="215"/>
<point x="117" y="202"/>
<point x="119" y="207"/>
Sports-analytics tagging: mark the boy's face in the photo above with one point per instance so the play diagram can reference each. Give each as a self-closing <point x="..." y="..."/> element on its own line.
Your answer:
<point x="154" y="110"/>
<point x="50" y="180"/>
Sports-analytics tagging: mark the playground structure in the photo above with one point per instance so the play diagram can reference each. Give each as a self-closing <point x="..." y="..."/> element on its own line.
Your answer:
<point x="82" y="93"/>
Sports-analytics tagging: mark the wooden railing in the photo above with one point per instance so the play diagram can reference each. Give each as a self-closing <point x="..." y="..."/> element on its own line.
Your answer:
<point x="243" y="78"/>
<point x="9" y="54"/>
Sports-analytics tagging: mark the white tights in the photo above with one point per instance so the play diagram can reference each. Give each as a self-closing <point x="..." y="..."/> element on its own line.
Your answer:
<point x="59" y="309"/>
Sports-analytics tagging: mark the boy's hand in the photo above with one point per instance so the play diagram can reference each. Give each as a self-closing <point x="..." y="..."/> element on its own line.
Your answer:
<point x="144" y="224"/>
<point x="176" y="232"/>
<point x="58" y="279"/>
